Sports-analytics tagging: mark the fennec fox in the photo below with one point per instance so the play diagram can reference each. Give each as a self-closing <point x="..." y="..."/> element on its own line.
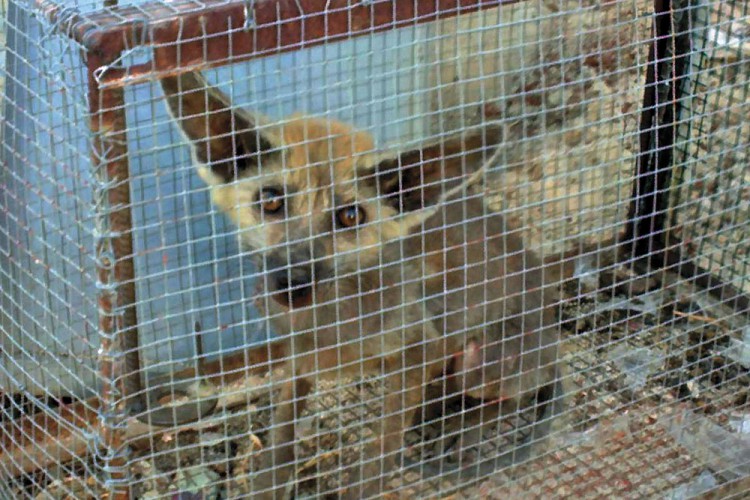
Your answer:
<point x="373" y="263"/>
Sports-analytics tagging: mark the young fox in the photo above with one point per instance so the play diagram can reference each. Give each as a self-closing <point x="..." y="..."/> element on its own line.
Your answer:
<point x="373" y="263"/>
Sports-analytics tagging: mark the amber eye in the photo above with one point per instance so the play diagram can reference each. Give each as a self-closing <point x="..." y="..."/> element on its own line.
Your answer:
<point x="271" y="200"/>
<point x="351" y="216"/>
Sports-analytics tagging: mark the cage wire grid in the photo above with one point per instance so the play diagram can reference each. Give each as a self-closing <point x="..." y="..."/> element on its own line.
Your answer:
<point x="135" y="328"/>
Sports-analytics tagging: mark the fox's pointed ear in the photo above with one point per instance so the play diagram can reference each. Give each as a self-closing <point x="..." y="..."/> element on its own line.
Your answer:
<point x="224" y="139"/>
<point x="422" y="178"/>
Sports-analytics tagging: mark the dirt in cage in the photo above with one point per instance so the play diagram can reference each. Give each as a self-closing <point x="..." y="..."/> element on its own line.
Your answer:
<point x="64" y="481"/>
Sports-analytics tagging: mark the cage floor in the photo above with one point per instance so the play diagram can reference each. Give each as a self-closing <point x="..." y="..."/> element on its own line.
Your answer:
<point x="655" y="402"/>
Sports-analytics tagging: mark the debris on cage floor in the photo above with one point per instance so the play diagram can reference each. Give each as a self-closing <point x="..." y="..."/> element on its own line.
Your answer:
<point x="656" y="402"/>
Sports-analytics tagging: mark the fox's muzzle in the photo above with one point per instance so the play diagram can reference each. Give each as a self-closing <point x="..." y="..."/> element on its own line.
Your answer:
<point x="293" y="287"/>
<point x="292" y="272"/>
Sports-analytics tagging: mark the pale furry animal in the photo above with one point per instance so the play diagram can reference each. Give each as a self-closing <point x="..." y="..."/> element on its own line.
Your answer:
<point x="376" y="263"/>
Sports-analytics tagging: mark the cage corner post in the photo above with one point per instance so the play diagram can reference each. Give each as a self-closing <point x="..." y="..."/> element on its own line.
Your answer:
<point x="649" y="240"/>
<point x="644" y="237"/>
<point x="119" y="362"/>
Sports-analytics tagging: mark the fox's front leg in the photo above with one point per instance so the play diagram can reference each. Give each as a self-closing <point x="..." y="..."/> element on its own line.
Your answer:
<point x="278" y="460"/>
<point x="404" y="398"/>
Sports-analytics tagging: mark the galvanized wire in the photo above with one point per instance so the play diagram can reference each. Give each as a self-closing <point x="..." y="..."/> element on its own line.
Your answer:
<point x="652" y="394"/>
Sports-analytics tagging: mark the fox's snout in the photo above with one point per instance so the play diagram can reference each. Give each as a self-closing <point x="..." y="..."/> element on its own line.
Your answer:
<point x="293" y="287"/>
<point x="291" y="275"/>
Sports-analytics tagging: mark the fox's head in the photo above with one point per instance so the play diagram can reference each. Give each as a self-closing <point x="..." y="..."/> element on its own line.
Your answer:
<point x="311" y="197"/>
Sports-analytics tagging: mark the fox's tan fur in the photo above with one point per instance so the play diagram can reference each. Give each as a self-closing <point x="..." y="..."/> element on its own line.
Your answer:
<point x="427" y="273"/>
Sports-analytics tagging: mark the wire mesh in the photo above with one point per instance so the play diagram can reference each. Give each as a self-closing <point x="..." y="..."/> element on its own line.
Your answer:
<point x="715" y="144"/>
<point x="204" y="295"/>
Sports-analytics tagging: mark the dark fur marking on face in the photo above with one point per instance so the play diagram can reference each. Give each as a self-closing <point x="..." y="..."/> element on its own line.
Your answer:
<point x="251" y="148"/>
<point x="416" y="179"/>
<point x="224" y="139"/>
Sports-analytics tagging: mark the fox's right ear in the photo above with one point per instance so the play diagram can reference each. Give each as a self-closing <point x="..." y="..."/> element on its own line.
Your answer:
<point x="224" y="139"/>
<point x="414" y="183"/>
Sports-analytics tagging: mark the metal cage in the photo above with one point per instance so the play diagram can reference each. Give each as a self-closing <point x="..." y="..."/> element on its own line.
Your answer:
<point x="136" y="361"/>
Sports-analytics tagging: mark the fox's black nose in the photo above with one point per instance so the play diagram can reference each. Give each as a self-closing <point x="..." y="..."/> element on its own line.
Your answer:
<point x="293" y="286"/>
<point x="292" y="279"/>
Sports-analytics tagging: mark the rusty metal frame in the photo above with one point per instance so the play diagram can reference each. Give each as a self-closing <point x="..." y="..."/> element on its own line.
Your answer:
<point x="119" y="359"/>
<point x="216" y="32"/>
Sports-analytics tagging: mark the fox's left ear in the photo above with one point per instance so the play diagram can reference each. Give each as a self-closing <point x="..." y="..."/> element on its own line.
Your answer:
<point x="225" y="139"/>
<point x="420" y="179"/>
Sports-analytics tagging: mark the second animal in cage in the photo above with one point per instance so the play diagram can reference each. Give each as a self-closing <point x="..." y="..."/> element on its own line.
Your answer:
<point x="374" y="262"/>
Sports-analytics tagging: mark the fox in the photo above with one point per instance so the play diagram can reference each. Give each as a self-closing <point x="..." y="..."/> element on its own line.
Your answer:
<point x="372" y="262"/>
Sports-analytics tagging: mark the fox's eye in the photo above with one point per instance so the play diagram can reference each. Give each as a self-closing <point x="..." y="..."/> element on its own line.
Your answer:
<point x="271" y="200"/>
<point x="350" y="216"/>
